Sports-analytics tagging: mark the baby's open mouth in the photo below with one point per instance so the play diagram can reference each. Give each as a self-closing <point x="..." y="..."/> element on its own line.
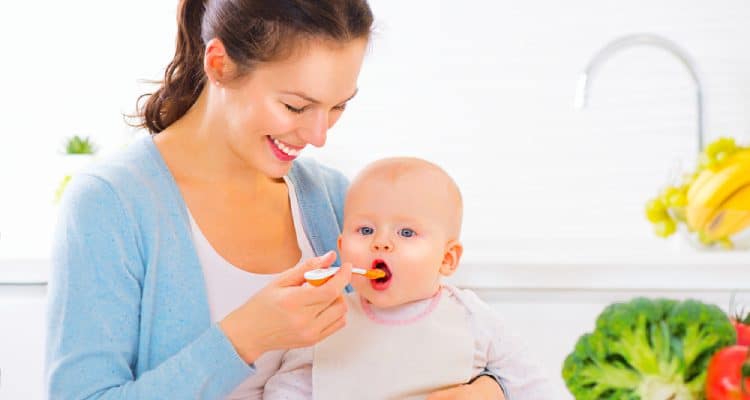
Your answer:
<point x="381" y="283"/>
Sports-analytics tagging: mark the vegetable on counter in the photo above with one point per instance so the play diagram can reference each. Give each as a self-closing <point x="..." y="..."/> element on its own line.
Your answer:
<point x="729" y="374"/>
<point x="648" y="349"/>
<point x="742" y="326"/>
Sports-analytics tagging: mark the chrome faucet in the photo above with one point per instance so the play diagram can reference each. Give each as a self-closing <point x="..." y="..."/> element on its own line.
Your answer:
<point x="646" y="39"/>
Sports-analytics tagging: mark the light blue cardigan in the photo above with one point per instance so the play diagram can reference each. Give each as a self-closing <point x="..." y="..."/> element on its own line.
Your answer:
<point x="128" y="316"/>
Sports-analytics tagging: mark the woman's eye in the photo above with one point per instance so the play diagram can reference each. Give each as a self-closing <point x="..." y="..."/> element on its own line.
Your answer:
<point x="341" y="107"/>
<point x="406" y="232"/>
<point x="294" y="109"/>
<point x="365" y="230"/>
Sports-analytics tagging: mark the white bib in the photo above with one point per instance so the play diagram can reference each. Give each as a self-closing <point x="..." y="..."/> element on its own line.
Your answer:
<point x="375" y="360"/>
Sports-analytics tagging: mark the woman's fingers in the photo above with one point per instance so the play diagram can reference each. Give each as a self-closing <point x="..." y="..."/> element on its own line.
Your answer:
<point x="293" y="315"/>
<point x="332" y="318"/>
<point x="331" y="312"/>
<point x="326" y="293"/>
<point x="296" y="276"/>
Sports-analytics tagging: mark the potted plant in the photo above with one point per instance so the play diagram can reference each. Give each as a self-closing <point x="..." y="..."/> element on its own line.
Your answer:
<point x="77" y="152"/>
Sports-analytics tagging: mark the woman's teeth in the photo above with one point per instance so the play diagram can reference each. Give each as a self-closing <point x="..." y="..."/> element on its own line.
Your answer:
<point x="286" y="149"/>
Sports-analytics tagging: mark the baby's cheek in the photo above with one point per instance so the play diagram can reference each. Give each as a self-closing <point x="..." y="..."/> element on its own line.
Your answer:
<point x="353" y="252"/>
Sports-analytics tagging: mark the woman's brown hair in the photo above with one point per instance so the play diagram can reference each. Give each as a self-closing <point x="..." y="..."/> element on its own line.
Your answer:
<point x="252" y="31"/>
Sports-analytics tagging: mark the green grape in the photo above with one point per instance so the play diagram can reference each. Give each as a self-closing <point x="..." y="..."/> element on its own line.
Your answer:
<point x="726" y="144"/>
<point x="703" y="238"/>
<point x="673" y="197"/>
<point x="704" y="161"/>
<point x="687" y="179"/>
<point x="656" y="211"/>
<point x="679" y="215"/>
<point x="665" y="228"/>
<point x="678" y="199"/>
<point x="726" y="243"/>
<point x="666" y="193"/>
<point x="717" y="152"/>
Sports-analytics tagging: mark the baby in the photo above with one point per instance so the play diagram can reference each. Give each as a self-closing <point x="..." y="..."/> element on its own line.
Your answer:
<point x="407" y="334"/>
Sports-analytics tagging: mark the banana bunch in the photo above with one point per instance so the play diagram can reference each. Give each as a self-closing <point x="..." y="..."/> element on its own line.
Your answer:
<point x="713" y="201"/>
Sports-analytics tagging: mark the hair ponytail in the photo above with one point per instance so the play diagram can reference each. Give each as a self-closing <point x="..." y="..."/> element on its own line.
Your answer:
<point x="184" y="77"/>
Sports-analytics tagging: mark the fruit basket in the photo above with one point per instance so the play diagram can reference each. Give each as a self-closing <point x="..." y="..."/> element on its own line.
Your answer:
<point x="711" y="204"/>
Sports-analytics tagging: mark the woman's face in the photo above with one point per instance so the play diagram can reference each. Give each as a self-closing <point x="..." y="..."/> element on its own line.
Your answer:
<point x="280" y="107"/>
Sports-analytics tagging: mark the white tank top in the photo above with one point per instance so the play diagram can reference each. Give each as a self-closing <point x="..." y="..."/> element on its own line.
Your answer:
<point x="228" y="287"/>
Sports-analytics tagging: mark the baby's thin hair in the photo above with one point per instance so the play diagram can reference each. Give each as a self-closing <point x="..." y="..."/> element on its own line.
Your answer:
<point x="393" y="168"/>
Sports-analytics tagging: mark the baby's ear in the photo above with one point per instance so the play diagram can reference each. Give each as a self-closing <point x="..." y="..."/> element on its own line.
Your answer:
<point x="451" y="257"/>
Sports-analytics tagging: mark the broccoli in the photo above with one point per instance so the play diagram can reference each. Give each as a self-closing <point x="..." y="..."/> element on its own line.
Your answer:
<point x="648" y="349"/>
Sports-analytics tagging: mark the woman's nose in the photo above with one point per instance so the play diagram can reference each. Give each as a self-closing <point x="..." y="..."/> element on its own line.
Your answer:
<point x="315" y="130"/>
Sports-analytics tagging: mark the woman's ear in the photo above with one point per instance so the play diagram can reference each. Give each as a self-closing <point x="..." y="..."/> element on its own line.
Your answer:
<point x="216" y="63"/>
<point x="451" y="257"/>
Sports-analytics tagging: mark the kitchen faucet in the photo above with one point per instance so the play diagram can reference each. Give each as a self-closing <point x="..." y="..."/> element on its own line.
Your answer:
<point x="646" y="39"/>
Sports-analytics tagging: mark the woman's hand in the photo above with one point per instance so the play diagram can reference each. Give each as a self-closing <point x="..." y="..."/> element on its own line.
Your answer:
<point x="482" y="388"/>
<point x="286" y="314"/>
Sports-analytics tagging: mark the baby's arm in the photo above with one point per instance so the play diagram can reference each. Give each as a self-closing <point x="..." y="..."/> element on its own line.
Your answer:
<point x="293" y="381"/>
<point x="507" y="355"/>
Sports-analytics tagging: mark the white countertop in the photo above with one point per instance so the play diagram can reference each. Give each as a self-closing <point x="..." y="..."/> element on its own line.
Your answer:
<point x="707" y="271"/>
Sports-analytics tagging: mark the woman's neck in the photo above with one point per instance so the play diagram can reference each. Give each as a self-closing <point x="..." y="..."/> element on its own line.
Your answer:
<point x="196" y="150"/>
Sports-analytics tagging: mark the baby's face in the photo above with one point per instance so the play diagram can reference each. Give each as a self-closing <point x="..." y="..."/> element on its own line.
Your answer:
<point x="399" y="226"/>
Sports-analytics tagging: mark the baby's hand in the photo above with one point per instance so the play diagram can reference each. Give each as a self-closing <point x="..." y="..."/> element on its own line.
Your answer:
<point x="484" y="388"/>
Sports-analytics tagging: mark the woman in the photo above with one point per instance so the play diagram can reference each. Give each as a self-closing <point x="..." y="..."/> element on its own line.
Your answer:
<point x="177" y="265"/>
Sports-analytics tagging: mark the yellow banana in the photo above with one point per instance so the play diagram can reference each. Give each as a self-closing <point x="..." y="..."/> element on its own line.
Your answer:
<point x="715" y="187"/>
<point x="731" y="217"/>
<point x="698" y="183"/>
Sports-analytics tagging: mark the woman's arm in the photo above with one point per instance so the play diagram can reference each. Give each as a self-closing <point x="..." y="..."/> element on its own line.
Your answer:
<point x="94" y="313"/>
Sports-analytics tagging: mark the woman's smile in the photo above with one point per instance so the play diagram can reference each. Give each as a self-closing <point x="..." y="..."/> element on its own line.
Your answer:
<point x="283" y="151"/>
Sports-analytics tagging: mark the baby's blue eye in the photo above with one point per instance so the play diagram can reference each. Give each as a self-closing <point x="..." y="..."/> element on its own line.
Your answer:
<point x="406" y="232"/>
<point x="365" y="230"/>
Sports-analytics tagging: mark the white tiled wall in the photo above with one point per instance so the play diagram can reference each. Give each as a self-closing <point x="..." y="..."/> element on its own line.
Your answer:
<point x="483" y="87"/>
<point x="486" y="88"/>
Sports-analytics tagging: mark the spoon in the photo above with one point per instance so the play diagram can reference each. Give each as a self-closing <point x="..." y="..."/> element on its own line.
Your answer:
<point x="317" y="277"/>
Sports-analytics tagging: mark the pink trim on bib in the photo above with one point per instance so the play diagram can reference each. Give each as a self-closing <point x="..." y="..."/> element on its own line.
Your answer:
<point x="366" y="307"/>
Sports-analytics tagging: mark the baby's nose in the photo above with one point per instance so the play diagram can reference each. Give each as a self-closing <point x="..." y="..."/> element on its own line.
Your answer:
<point x="381" y="246"/>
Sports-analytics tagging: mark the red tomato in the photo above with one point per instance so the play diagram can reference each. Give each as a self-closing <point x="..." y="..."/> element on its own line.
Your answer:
<point x="743" y="332"/>
<point x="728" y="367"/>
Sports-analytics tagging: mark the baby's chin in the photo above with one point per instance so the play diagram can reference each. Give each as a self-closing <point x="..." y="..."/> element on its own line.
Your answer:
<point x="379" y="303"/>
<point x="377" y="299"/>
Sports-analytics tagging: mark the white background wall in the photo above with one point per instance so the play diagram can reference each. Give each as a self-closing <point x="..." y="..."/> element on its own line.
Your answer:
<point x="484" y="88"/>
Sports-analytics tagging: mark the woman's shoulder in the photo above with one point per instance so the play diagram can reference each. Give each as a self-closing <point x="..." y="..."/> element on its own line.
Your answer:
<point x="132" y="176"/>
<point x="310" y="169"/>
<point x="135" y="162"/>
<point x="320" y="191"/>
